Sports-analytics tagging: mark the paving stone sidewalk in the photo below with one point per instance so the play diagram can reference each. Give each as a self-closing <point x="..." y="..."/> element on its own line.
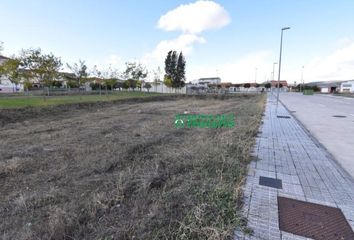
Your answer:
<point x="286" y="151"/>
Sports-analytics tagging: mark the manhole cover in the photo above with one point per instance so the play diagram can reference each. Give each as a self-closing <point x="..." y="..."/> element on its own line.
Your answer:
<point x="280" y="116"/>
<point x="270" y="182"/>
<point x="313" y="220"/>
<point x="339" y="116"/>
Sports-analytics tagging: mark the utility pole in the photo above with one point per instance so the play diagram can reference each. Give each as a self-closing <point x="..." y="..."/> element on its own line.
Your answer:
<point x="281" y="48"/>
<point x="302" y="78"/>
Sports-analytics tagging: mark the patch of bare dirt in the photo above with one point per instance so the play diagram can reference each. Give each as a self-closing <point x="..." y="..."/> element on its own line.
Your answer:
<point x="123" y="171"/>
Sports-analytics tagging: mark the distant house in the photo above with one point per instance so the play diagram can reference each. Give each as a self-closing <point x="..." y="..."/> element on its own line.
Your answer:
<point x="6" y="86"/>
<point x="347" y="87"/>
<point x="208" y="81"/>
<point x="274" y="83"/>
<point x="3" y="59"/>
<point x="326" y="86"/>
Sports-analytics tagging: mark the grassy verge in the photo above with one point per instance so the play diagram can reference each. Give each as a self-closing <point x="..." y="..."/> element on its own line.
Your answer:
<point x="125" y="172"/>
<point x="41" y="101"/>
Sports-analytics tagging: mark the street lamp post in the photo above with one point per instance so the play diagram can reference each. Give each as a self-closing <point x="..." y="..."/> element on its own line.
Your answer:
<point x="281" y="48"/>
<point x="255" y="76"/>
<point x="302" y="78"/>
<point x="273" y="75"/>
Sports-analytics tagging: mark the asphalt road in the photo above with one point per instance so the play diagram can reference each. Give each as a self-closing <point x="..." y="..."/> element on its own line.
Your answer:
<point x="316" y="113"/>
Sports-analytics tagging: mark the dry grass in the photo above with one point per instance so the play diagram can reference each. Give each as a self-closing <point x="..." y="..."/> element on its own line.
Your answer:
<point x="123" y="171"/>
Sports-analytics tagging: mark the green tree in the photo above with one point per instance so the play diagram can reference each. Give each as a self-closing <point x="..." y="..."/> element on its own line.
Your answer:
<point x="125" y="85"/>
<point x="11" y="70"/>
<point x="45" y="67"/>
<point x="110" y="83"/>
<point x="130" y="83"/>
<point x="135" y="71"/>
<point x="246" y="85"/>
<point x="147" y="86"/>
<point x="175" y="68"/>
<point x="180" y="78"/>
<point x="119" y="85"/>
<point x="80" y="71"/>
<point x="268" y="85"/>
<point x="168" y="81"/>
<point x="139" y="84"/>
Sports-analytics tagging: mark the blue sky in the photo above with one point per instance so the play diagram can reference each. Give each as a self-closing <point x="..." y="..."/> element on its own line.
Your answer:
<point x="230" y="38"/>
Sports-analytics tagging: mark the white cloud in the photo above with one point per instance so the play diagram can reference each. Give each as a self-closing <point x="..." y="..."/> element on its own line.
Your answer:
<point x="183" y="43"/>
<point x="195" y="17"/>
<point x="336" y="66"/>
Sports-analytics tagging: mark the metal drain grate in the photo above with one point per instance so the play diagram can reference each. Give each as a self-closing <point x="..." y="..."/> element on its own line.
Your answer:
<point x="270" y="182"/>
<point x="313" y="220"/>
<point x="339" y="116"/>
<point x="280" y="116"/>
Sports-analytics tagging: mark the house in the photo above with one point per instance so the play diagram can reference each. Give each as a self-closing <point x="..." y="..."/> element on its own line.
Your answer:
<point x="283" y="83"/>
<point x="347" y="87"/>
<point x="6" y="86"/>
<point x="326" y="86"/>
<point x="3" y="59"/>
<point x="208" y="81"/>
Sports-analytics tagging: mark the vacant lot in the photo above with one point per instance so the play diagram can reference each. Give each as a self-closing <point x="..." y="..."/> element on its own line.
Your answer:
<point x="123" y="171"/>
<point x="43" y="101"/>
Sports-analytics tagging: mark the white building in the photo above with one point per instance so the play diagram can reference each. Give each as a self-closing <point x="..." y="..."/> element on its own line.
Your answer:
<point x="347" y="87"/>
<point x="6" y="86"/>
<point x="207" y="81"/>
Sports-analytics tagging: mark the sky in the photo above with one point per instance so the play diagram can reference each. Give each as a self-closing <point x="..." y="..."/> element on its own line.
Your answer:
<point x="235" y="40"/>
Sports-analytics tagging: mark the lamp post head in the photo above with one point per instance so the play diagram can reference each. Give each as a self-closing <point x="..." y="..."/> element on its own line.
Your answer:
<point x="285" y="28"/>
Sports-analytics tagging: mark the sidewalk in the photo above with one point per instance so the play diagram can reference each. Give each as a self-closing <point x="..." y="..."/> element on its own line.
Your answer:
<point x="284" y="150"/>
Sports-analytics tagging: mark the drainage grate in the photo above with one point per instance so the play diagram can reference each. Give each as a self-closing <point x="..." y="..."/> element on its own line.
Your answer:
<point x="339" y="116"/>
<point x="280" y="116"/>
<point x="312" y="220"/>
<point x="270" y="182"/>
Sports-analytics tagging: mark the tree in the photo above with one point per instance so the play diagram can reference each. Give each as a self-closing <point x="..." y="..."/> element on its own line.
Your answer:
<point x="1" y="46"/>
<point x="118" y="85"/>
<point x="169" y="65"/>
<point x="110" y="83"/>
<point x="135" y="71"/>
<point x="180" y="71"/>
<point x="45" y="67"/>
<point x="130" y="83"/>
<point x="125" y="85"/>
<point x="246" y="85"/>
<point x="139" y="84"/>
<point x="175" y="68"/>
<point x="11" y="70"/>
<point x="168" y="81"/>
<point x="79" y="70"/>
<point x="147" y="86"/>
<point x="268" y="85"/>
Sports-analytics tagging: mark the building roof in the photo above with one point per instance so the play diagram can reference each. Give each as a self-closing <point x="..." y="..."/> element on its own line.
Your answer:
<point x="324" y="84"/>
<point x="3" y="57"/>
<point x="210" y="78"/>
<point x="282" y="82"/>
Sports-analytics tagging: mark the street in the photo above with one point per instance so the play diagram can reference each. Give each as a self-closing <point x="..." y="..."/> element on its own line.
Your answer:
<point x="317" y="113"/>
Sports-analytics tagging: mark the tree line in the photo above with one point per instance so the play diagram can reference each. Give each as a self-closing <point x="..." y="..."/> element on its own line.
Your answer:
<point x="33" y="64"/>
